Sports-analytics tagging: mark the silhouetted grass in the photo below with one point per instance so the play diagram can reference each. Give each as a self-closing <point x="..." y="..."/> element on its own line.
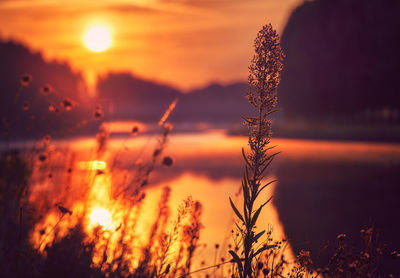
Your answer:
<point x="44" y="233"/>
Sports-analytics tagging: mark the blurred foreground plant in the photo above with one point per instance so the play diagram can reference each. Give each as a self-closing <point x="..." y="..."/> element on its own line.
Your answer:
<point x="264" y="77"/>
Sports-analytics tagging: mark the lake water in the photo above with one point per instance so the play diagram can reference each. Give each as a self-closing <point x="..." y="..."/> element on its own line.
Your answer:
<point x="324" y="188"/>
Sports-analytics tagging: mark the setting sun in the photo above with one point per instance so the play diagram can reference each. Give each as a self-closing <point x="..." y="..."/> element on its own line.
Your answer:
<point x="98" y="38"/>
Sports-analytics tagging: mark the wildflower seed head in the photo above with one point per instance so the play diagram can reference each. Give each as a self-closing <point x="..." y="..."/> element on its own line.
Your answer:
<point x="98" y="112"/>
<point x="395" y="254"/>
<point x="42" y="157"/>
<point x="304" y="258"/>
<point x="135" y="130"/>
<point x="25" y="106"/>
<point x="64" y="210"/>
<point x="98" y="115"/>
<point x="144" y="183"/>
<point x="265" y="271"/>
<point x="265" y="69"/>
<point x="25" y="80"/>
<point x="46" y="139"/>
<point x="168" y="128"/>
<point x="341" y="237"/>
<point x="156" y="152"/>
<point x="46" y="89"/>
<point x="67" y="104"/>
<point x="100" y="172"/>
<point x="167" y="161"/>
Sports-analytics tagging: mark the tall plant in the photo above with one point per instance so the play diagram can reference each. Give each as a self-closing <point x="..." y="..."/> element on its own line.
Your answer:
<point x="265" y="70"/>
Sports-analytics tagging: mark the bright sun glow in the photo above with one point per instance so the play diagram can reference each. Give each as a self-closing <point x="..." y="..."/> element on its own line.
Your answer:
<point x="102" y="217"/>
<point x="98" y="38"/>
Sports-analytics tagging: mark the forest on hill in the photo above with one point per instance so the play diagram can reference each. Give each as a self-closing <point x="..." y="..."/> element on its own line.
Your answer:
<point x="342" y="61"/>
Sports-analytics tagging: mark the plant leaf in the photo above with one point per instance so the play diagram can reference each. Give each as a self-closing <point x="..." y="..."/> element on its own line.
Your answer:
<point x="236" y="210"/>
<point x="269" y="148"/>
<point x="249" y="120"/>
<point x="245" y="213"/>
<point x="266" y="247"/>
<point x="255" y="216"/>
<point x="272" y="111"/>
<point x="257" y="236"/>
<point x="237" y="226"/>
<point x="237" y="261"/>
<point x="245" y="157"/>
<point x="270" y="198"/>
<point x="245" y="191"/>
<point x="257" y="213"/>
<point x="272" y="156"/>
<point x="246" y="177"/>
<point x="269" y="159"/>
<point x="262" y="188"/>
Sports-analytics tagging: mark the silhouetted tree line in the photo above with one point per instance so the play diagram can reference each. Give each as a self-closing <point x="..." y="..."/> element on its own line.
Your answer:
<point x="342" y="61"/>
<point x="143" y="100"/>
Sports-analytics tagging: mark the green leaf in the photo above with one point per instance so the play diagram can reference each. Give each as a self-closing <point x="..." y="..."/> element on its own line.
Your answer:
<point x="236" y="210"/>
<point x="237" y="260"/>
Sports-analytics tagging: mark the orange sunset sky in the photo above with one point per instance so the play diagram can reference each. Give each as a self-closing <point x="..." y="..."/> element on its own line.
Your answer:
<point x="184" y="43"/>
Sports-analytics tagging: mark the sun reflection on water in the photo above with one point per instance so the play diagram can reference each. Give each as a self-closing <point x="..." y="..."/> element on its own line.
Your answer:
<point x="101" y="217"/>
<point x="92" y="165"/>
